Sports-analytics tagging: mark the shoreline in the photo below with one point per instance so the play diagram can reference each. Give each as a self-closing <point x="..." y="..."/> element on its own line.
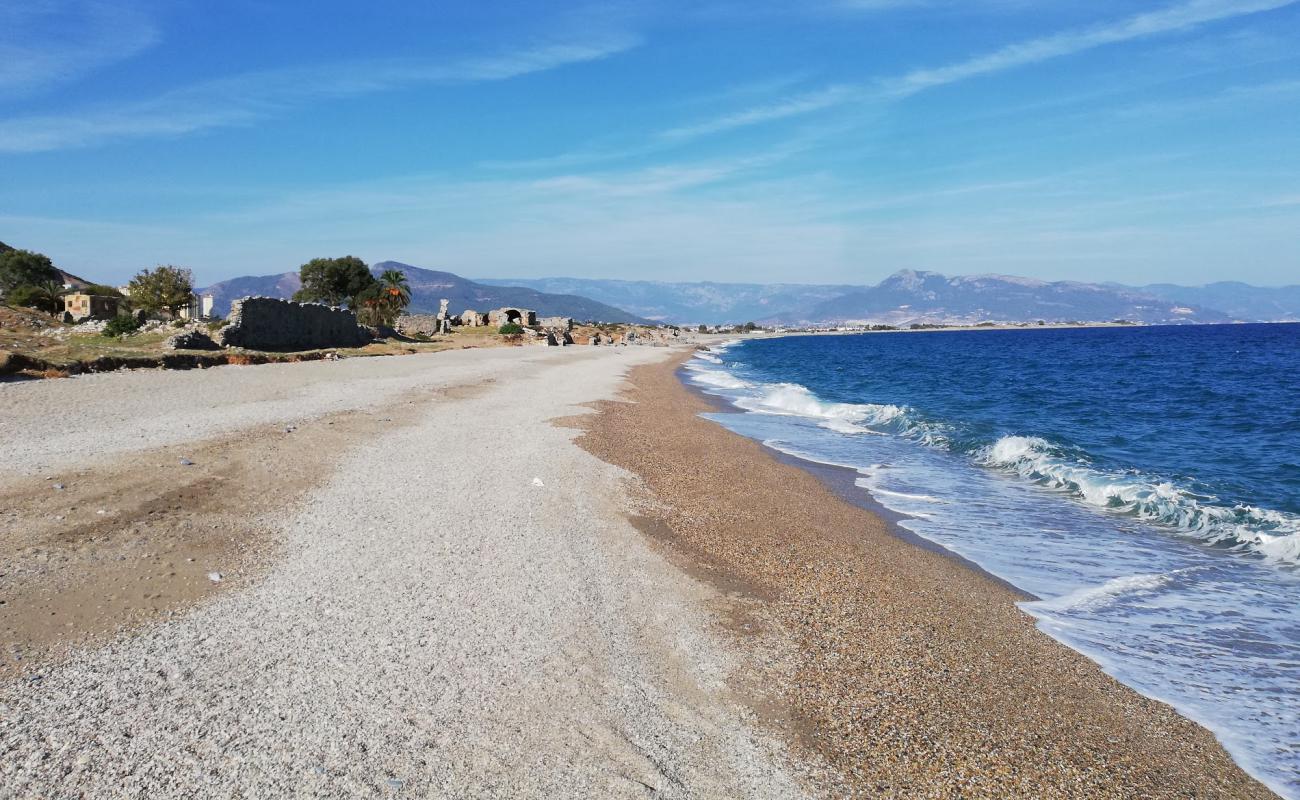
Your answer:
<point x="840" y="480"/>
<point x="909" y="673"/>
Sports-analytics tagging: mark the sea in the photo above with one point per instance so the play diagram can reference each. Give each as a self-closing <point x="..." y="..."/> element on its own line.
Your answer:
<point x="1142" y="484"/>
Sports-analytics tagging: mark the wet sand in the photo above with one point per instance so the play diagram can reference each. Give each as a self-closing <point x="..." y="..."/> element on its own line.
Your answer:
<point x="910" y="674"/>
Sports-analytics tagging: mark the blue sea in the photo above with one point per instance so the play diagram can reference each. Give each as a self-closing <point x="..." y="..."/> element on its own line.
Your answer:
<point x="1142" y="483"/>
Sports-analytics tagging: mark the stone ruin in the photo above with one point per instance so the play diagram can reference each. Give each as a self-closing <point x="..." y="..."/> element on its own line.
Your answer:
<point x="519" y="316"/>
<point x="265" y="323"/>
<point x="557" y="338"/>
<point x="408" y="324"/>
<point x="444" y="319"/>
<point x="470" y="318"/>
<point x="557" y="323"/>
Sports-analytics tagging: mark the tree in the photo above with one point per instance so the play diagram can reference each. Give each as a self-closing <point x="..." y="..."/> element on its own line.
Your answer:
<point x="25" y="268"/>
<point x="42" y="297"/>
<point x="334" y="281"/>
<point x="383" y="302"/>
<point x="703" y="329"/>
<point x="100" y="289"/>
<point x="166" y="288"/>
<point x="395" y="286"/>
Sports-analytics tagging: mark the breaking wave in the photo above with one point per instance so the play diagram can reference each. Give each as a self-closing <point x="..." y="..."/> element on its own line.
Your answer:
<point x="1271" y="534"/>
<point x="718" y="378"/>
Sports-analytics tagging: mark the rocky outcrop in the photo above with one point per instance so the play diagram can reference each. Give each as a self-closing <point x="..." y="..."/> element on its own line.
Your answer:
<point x="190" y="340"/>
<point x="264" y="323"/>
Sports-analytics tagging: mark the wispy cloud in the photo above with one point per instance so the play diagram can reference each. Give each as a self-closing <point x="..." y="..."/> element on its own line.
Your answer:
<point x="245" y="98"/>
<point x="43" y="44"/>
<point x="794" y="106"/>
<point x="1169" y="20"/>
<point x="1173" y="19"/>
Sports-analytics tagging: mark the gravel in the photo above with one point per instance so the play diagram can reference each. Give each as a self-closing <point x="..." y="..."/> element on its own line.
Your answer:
<point x="53" y="424"/>
<point x="439" y="623"/>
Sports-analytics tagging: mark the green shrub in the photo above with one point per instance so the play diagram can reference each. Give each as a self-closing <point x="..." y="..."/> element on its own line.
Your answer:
<point x="41" y="298"/>
<point x="217" y="324"/>
<point x="510" y="328"/>
<point x="121" y="325"/>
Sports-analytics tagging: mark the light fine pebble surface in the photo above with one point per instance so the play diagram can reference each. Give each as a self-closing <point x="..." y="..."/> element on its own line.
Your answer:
<point x="437" y="623"/>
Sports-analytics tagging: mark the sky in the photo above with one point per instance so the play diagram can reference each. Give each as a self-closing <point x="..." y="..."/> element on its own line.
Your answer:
<point x="795" y="141"/>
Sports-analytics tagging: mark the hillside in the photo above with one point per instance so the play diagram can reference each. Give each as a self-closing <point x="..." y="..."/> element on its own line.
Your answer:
<point x="912" y="296"/>
<point x="428" y="287"/>
<point x="916" y="296"/>
<point x="1237" y="300"/>
<point x="681" y="302"/>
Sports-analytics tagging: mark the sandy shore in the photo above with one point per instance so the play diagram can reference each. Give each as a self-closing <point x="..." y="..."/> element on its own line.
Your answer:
<point x="912" y="675"/>
<point x="446" y="598"/>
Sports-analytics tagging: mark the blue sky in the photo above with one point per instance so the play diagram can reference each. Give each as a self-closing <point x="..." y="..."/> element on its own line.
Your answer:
<point x="821" y="141"/>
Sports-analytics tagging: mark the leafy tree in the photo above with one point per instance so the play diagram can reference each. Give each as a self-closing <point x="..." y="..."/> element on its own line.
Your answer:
<point x="703" y="328"/>
<point x="165" y="288"/>
<point x="121" y="325"/>
<point x="42" y="297"/>
<point x="334" y="281"/>
<point x="25" y="268"/>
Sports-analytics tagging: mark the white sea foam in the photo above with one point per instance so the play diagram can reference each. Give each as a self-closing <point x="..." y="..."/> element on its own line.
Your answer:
<point x="1095" y="597"/>
<point x="1271" y="534"/>
<point x="718" y="378"/>
<point x="791" y="399"/>
<point x="924" y="498"/>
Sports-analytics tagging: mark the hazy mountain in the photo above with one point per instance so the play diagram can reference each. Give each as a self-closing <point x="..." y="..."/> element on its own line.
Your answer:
<point x="1237" y="300"/>
<point x="912" y="296"/>
<point x="428" y="287"/>
<point x="282" y="286"/>
<point x="689" y="302"/>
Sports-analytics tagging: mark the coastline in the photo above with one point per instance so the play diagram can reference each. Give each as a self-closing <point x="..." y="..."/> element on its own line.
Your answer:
<point x="909" y="673"/>
<point x="841" y="480"/>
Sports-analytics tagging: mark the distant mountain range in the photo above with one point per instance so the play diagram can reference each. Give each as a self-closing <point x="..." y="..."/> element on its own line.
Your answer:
<point x="906" y="297"/>
<point x="428" y="287"/>
<point x="912" y="296"/>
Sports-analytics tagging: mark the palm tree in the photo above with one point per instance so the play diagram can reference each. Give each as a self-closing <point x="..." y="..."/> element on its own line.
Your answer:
<point x="395" y="286"/>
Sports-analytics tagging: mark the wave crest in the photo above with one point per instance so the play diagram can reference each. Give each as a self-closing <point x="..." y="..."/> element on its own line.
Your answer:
<point x="1271" y="534"/>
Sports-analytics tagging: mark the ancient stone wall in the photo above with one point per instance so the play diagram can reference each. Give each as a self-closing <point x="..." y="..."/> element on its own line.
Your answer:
<point x="264" y="323"/>
<point x="426" y="324"/>
<point x="558" y="323"/>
